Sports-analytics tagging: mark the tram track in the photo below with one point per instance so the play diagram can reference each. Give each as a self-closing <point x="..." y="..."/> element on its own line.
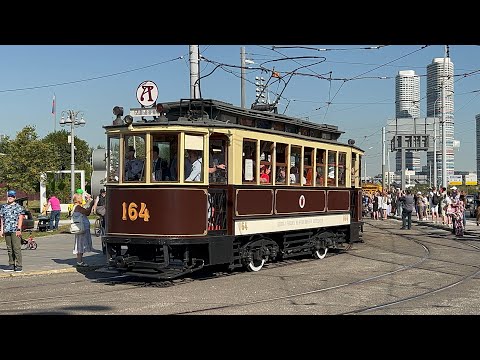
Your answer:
<point x="130" y="284"/>
<point x="415" y="265"/>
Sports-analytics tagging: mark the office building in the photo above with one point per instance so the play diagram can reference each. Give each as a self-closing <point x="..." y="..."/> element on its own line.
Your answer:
<point x="440" y="74"/>
<point x="407" y="105"/>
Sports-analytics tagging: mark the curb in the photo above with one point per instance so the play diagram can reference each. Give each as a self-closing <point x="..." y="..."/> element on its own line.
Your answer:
<point x="49" y="272"/>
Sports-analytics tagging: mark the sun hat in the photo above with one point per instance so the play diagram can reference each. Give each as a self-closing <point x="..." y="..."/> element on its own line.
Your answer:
<point x="11" y="193"/>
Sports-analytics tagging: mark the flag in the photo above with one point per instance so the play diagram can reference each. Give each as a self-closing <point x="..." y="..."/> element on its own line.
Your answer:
<point x="53" y="105"/>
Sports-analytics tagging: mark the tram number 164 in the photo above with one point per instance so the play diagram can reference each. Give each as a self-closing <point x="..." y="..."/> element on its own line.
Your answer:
<point x="133" y="213"/>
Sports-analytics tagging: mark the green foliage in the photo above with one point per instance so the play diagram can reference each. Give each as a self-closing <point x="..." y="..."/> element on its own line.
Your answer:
<point x="27" y="157"/>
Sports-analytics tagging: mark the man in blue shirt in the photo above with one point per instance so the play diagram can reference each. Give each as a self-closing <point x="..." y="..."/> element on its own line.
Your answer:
<point x="11" y="219"/>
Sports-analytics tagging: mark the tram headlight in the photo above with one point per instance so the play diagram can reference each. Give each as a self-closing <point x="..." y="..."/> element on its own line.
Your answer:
<point x="128" y="119"/>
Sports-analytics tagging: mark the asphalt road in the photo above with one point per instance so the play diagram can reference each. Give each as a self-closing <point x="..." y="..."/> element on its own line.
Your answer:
<point x="424" y="271"/>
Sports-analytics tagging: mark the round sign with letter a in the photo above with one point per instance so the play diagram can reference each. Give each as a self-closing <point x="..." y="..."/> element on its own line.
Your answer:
<point x="147" y="93"/>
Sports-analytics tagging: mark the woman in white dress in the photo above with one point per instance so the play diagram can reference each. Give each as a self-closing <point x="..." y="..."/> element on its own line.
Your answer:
<point x="83" y="242"/>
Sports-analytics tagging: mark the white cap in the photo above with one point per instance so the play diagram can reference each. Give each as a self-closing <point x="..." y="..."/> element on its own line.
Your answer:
<point x="419" y="192"/>
<point x="454" y="188"/>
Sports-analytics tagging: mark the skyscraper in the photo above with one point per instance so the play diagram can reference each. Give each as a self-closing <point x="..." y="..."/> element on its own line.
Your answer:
<point x="440" y="73"/>
<point x="407" y="105"/>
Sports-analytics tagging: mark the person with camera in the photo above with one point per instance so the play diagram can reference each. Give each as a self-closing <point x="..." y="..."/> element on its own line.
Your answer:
<point x="99" y="206"/>
<point x="11" y="219"/>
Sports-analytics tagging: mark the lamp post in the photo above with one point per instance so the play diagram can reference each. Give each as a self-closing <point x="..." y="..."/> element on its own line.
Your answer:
<point x="70" y="117"/>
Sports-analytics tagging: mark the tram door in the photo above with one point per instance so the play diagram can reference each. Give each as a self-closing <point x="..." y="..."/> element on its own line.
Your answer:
<point x="217" y="178"/>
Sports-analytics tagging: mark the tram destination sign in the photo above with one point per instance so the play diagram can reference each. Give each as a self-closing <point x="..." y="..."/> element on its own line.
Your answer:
<point x="136" y="112"/>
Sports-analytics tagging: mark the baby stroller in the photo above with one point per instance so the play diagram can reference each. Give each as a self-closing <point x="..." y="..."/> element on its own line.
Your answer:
<point x="29" y="244"/>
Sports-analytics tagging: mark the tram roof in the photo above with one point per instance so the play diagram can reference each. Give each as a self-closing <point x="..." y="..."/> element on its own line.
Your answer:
<point x="211" y="113"/>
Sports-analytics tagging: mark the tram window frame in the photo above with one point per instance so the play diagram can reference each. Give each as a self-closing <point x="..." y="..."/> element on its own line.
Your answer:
<point x="332" y="167"/>
<point x="113" y="158"/>
<point x="354" y="177"/>
<point x="320" y="167"/>
<point x="217" y="155"/>
<point x="138" y="142"/>
<point x="308" y="156"/>
<point x="296" y="156"/>
<point x="165" y="143"/>
<point x="342" y="169"/>
<point x="281" y="153"/>
<point x="194" y="144"/>
<point x="266" y="159"/>
<point x="249" y="162"/>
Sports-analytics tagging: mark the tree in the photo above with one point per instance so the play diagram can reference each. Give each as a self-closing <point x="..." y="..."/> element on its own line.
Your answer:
<point x="61" y="184"/>
<point x="26" y="158"/>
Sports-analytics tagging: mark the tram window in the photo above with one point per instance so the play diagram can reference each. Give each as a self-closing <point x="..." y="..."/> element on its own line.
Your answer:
<point x="263" y="124"/>
<point x="354" y="170"/>
<point x="217" y="152"/>
<point x="164" y="157"/>
<point x="308" y="166"/>
<point x="305" y="131"/>
<point x="249" y="161"/>
<point x="266" y="150"/>
<point x="194" y="157"/>
<point x="278" y="126"/>
<point x="113" y="158"/>
<point x="342" y="169"/>
<point x="281" y="155"/>
<point x="290" y="128"/>
<point x="134" y="165"/>
<point x="295" y="156"/>
<point x="332" y="168"/>
<point x="320" y="165"/>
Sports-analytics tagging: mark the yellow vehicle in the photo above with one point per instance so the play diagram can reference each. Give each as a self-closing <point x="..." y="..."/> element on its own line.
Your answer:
<point x="370" y="188"/>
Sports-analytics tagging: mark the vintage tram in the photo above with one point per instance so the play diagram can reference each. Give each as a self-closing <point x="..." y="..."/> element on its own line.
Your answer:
<point x="207" y="183"/>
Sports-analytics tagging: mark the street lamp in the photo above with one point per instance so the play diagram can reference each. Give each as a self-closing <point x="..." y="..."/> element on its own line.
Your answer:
<point x="70" y="117"/>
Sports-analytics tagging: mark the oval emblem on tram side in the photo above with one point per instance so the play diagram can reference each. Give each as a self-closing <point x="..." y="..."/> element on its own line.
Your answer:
<point x="301" y="201"/>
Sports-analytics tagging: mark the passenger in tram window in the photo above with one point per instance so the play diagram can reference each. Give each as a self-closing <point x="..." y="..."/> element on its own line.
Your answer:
<point x="294" y="175"/>
<point x="281" y="175"/>
<point x="307" y="176"/>
<point x="156" y="166"/>
<point x="265" y="174"/>
<point x="217" y="162"/>
<point x="133" y="167"/>
<point x="196" y="161"/>
<point x="173" y="174"/>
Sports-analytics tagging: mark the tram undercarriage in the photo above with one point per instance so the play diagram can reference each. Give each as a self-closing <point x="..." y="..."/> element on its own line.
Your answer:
<point x="169" y="259"/>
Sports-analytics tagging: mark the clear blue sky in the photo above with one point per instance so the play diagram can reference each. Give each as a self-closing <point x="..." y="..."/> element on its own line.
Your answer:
<point x="95" y="78"/>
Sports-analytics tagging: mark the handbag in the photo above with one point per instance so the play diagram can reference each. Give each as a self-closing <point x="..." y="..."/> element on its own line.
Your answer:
<point x="76" y="224"/>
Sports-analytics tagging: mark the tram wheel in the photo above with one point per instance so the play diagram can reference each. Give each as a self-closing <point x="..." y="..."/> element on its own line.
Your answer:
<point x="255" y="265"/>
<point x="320" y="253"/>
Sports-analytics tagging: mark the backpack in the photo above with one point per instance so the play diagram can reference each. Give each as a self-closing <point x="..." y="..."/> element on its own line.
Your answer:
<point x="435" y="199"/>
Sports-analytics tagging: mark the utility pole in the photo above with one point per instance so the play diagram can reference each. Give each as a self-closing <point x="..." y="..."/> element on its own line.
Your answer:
<point x="383" y="158"/>
<point x="242" y="85"/>
<point x="194" y="72"/>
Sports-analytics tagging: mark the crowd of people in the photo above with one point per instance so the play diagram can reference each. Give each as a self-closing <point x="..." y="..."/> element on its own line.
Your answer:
<point x="441" y="206"/>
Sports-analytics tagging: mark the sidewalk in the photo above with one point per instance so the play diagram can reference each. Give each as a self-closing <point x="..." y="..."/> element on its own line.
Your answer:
<point x="54" y="254"/>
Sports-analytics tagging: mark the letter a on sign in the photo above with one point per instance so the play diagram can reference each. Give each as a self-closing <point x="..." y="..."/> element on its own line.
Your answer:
<point x="147" y="93"/>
